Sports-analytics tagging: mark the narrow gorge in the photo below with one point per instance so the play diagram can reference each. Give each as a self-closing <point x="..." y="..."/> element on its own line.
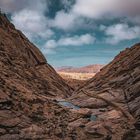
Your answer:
<point x="37" y="104"/>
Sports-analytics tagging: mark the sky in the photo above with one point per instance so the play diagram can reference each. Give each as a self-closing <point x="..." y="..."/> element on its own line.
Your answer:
<point x="77" y="32"/>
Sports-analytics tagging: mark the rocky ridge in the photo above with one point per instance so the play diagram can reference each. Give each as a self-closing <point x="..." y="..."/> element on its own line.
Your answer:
<point x="113" y="95"/>
<point x="18" y="53"/>
<point x="27" y="85"/>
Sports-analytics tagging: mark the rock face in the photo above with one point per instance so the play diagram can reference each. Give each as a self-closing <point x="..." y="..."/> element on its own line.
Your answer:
<point x="20" y="57"/>
<point x="114" y="96"/>
<point x="17" y="46"/>
<point x="27" y="85"/>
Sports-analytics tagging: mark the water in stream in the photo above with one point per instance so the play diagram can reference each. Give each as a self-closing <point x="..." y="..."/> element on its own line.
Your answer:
<point x="68" y="104"/>
<point x="72" y="106"/>
<point x="93" y="117"/>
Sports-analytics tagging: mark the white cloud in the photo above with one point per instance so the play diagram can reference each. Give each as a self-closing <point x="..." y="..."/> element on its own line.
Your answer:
<point x="95" y="9"/>
<point x="31" y="20"/>
<point x="12" y="5"/>
<point x="82" y="40"/>
<point x="92" y="8"/>
<point x="99" y="8"/>
<point x="50" y="44"/>
<point x="28" y="16"/>
<point x="63" y="20"/>
<point x="18" y="5"/>
<point x="77" y="40"/>
<point x="121" y="32"/>
<point x="32" y="23"/>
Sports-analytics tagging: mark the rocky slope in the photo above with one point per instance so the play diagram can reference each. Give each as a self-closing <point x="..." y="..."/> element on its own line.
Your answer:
<point x="113" y="95"/>
<point x="27" y="85"/>
<point x="17" y="53"/>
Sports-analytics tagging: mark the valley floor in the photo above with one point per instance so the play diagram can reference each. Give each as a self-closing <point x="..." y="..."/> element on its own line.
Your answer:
<point x="76" y="76"/>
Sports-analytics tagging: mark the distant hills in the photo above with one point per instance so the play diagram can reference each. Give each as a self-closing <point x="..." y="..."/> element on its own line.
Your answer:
<point x="86" y="69"/>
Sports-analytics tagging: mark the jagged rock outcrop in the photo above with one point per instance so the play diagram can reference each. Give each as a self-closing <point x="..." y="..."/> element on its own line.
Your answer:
<point x="19" y="54"/>
<point x="114" y="96"/>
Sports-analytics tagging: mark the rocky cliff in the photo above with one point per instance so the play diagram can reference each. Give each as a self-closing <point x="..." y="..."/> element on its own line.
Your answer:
<point x="21" y="57"/>
<point x="113" y="95"/>
<point x="27" y="85"/>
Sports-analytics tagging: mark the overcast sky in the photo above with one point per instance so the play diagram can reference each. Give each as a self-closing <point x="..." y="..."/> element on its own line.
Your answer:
<point x="77" y="32"/>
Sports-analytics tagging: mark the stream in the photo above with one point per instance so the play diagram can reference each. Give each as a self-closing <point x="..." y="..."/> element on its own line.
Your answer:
<point x="69" y="105"/>
<point x="72" y="106"/>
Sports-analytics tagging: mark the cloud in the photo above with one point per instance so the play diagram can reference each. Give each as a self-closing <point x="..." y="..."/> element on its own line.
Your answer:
<point x="82" y="40"/>
<point x="67" y="4"/>
<point x="102" y="8"/>
<point x="120" y="32"/>
<point x="12" y="5"/>
<point x="95" y="10"/>
<point x="134" y="20"/>
<point x="77" y="40"/>
<point x="50" y="44"/>
<point x="30" y="17"/>
<point x="70" y="22"/>
<point x="18" y="5"/>
<point x="63" y="20"/>
<point x="91" y="9"/>
<point x="32" y="21"/>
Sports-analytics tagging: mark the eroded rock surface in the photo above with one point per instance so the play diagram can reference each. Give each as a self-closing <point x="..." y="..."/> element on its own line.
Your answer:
<point x="27" y="85"/>
<point x="114" y="96"/>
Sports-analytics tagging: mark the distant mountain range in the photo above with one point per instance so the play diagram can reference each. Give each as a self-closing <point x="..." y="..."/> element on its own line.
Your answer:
<point x="86" y="69"/>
